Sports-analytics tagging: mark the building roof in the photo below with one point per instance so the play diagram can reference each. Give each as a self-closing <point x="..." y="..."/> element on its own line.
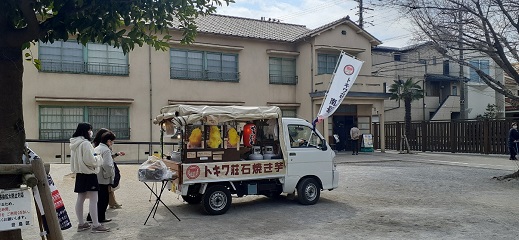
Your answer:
<point x="402" y="49"/>
<point x="443" y="78"/>
<point x="344" y="20"/>
<point x="249" y="28"/>
<point x="268" y="30"/>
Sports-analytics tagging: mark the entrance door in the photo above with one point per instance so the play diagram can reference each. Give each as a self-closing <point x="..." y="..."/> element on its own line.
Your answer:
<point x="341" y="126"/>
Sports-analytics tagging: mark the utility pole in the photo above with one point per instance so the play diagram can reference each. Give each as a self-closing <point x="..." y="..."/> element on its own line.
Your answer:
<point x="463" y="113"/>
<point x="361" y="11"/>
<point x="362" y="8"/>
<point x="424" y="92"/>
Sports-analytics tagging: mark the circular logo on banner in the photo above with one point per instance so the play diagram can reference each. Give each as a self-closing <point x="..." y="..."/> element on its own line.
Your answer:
<point x="349" y="69"/>
<point x="192" y="172"/>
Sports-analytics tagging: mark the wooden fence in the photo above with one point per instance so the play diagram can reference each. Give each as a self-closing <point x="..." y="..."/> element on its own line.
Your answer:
<point x="463" y="136"/>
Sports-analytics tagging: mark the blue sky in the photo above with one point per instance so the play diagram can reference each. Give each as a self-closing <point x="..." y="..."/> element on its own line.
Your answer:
<point x="389" y="26"/>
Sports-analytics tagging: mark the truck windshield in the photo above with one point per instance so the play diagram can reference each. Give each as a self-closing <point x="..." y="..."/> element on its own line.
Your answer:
<point x="303" y="136"/>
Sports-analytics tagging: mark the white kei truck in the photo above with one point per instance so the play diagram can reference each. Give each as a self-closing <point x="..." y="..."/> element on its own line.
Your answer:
<point x="223" y="150"/>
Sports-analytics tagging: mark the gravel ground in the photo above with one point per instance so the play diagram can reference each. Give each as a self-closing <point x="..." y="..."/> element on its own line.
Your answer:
<point x="375" y="200"/>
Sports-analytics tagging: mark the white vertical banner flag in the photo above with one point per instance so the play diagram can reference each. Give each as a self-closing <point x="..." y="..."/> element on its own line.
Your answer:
<point x="345" y="74"/>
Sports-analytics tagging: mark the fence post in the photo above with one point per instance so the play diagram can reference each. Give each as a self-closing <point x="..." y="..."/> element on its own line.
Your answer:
<point x="424" y="136"/>
<point x="376" y="142"/>
<point x="453" y="136"/>
<point x="398" y="135"/>
<point x="486" y="136"/>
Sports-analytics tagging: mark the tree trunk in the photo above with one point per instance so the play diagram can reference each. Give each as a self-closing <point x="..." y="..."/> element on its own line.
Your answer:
<point x="12" y="132"/>
<point x="512" y="175"/>
<point x="407" y="107"/>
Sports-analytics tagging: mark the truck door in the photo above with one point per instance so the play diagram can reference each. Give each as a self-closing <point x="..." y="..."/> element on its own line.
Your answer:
<point x="306" y="156"/>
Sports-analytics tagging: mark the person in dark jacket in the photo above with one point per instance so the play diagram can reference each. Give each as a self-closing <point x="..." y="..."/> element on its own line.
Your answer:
<point x="513" y="139"/>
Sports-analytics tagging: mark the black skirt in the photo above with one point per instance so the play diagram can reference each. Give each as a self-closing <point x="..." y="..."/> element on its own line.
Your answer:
<point x="86" y="182"/>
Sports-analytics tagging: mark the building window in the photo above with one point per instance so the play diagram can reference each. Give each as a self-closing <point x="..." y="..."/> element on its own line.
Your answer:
<point x="282" y="71"/>
<point x="482" y="65"/>
<point x="199" y="65"/>
<point x="454" y="91"/>
<point x="446" y="68"/>
<point x="72" y="57"/>
<point x="397" y="57"/>
<point x="326" y="63"/>
<point x="59" y="123"/>
<point x="289" y="113"/>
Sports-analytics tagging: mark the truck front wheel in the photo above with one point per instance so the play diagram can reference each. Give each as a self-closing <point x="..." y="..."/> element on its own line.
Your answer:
<point x="308" y="191"/>
<point x="217" y="200"/>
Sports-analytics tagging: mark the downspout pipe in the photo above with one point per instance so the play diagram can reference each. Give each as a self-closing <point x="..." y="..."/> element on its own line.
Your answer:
<point x="150" y="150"/>
<point x="312" y="75"/>
<point x="393" y="108"/>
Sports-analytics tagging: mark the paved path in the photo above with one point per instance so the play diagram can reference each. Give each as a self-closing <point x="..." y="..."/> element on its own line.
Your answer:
<point x="361" y="206"/>
<point x="457" y="159"/>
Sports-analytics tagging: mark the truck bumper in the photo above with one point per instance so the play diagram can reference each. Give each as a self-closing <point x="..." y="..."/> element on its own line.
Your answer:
<point x="335" y="183"/>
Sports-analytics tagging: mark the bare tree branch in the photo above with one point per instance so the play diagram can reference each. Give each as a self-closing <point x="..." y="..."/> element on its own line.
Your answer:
<point x="490" y="28"/>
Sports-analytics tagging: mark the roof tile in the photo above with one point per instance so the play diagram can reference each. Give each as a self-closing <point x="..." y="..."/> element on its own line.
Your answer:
<point x="250" y="28"/>
<point x="260" y="29"/>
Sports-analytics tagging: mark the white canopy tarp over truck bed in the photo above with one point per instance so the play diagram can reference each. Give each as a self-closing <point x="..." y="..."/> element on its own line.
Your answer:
<point x="188" y="114"/>
<point x="181" y="115"/>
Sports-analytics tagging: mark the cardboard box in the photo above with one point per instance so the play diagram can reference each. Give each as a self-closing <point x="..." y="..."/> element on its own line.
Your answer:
<point x="174" y="166"/>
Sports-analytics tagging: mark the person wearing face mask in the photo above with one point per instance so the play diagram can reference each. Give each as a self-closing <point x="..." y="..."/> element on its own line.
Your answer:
<point x="97" y="140"/>
<point x="85" y="164"/>
<point x="513" y="138"/>
<point x="105" y="177"/>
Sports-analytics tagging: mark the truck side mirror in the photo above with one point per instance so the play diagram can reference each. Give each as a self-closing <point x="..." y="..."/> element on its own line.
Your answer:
<point x="324" y="146"/>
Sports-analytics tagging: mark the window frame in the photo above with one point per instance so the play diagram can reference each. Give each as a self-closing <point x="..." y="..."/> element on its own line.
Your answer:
<point x="206" y="74"/>
<point x="446" y="68"/>
<point x="328" y="65"/>
<point x="286" y="110"/>
<point x="85" y="118"/>
<point x="83" y="67"/>
<point x="286" y="79"/>
<point x="473" y="76"/>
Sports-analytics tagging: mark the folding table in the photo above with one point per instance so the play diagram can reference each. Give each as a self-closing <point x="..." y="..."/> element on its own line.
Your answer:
<point x="158" y="197"/>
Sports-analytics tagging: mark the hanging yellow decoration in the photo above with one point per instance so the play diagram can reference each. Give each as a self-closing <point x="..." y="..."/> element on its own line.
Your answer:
<point x="214" y="137"/>
<point x="234" y="138"/>
<point x="195" y="138"/>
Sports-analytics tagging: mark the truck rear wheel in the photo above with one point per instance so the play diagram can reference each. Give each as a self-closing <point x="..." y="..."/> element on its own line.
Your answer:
<point x="217" y="200"/>
<point x="193" y="198"/>
<point x="308" y="191"/>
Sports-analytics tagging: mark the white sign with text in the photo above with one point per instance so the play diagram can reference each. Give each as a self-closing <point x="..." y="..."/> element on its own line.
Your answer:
<point x="344" y="76"/>
<point x="15" y="209"/>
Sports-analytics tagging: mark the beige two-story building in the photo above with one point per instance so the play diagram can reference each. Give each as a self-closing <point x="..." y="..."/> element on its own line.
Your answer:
<point x="234" y="61"/>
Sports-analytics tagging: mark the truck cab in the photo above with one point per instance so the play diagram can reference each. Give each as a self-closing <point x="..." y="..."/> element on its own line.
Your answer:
<point x="308" y="156"/>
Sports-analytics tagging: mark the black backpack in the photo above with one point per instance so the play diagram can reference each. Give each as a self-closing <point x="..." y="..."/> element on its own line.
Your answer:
<point x="117" y="176"/>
